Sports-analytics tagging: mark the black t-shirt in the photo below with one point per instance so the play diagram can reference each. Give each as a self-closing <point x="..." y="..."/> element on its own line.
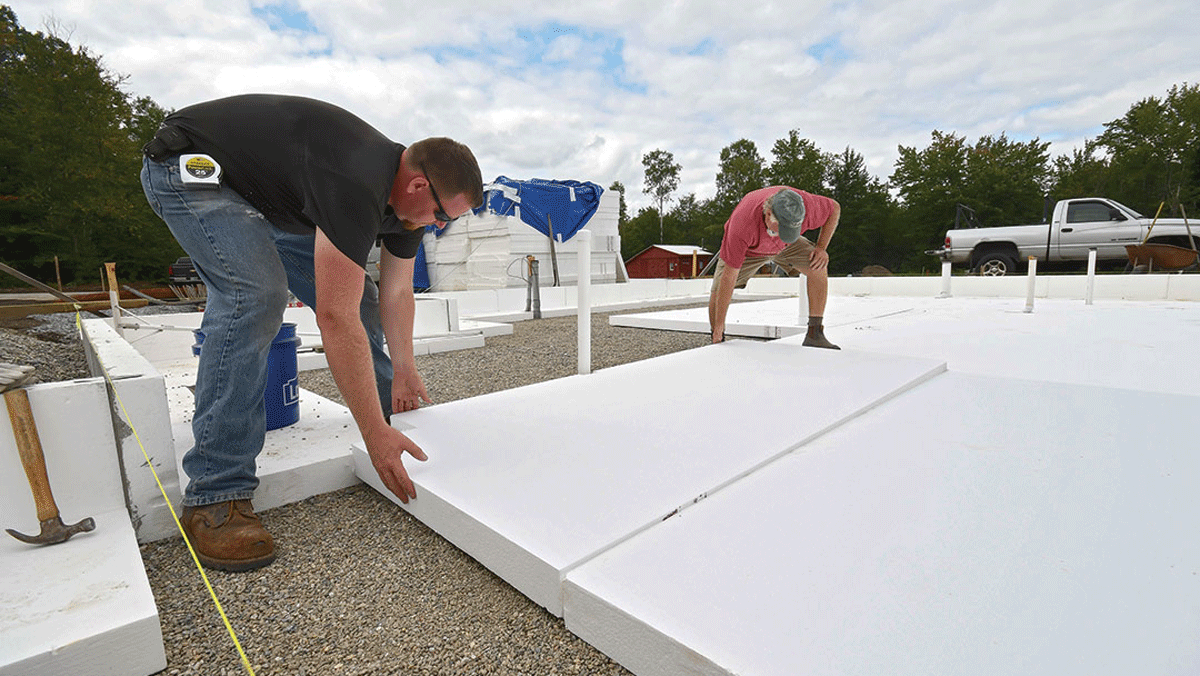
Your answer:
<point x="305" y="164"/>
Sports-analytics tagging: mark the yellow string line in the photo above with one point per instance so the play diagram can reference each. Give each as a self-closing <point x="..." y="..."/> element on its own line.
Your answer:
<point x="212" y="593"/>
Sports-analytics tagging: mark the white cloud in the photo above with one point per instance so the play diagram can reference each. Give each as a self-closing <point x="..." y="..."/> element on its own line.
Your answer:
<point x="691" y="79"/>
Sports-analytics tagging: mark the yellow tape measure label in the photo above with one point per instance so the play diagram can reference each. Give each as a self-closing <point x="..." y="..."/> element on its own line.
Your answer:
<point x="198" y="169"/>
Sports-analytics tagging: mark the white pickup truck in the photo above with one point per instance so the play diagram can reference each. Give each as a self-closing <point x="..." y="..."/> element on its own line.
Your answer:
<point x="1077" y="226"/>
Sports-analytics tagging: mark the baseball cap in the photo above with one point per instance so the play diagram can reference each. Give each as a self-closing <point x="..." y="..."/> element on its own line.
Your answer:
<point x="788" y="207"/>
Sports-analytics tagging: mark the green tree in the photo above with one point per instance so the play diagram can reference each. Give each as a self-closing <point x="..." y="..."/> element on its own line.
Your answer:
<point x="1154" y="151"/>
<point x="69" y="150"/>
<point x="623" y="212"/>
<point x="930" y="183"/>
<point x="1080" y="173"/>
<point x="866" y="234"/>
<point x="694" y="221"/>
<point x="1007" y="180"/>
<point x="741" y="171"/>
<point x="639" y="232"/>
<point x="799" y="164"/>
<point x="662" y="178"/>
<point x="1004" y="181"/>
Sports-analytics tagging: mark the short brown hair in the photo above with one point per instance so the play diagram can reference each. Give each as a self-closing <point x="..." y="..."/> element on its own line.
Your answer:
<point x="451" y="166"/>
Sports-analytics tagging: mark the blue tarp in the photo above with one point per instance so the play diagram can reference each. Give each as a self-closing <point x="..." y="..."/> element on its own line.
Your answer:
<point x="421" y="270"/>
<point x="567" y="205"/>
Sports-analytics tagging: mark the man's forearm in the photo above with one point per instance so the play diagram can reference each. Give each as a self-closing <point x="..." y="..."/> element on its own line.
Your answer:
<point x="828" y="228"/>
<point x="349" y="357"/>
<point x="721" y="297"/>
<point x="397" y="315"/>
<point x="397" y="308"/>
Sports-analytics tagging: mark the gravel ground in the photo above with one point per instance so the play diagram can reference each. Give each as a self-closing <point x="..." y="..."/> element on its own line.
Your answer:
<point x="361" y="587"/>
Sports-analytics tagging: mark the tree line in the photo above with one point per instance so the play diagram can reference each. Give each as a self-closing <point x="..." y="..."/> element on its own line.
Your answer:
<point x="70" y="154"/>
<point x="71" y="138"/>
<point x="1147" y="158"/>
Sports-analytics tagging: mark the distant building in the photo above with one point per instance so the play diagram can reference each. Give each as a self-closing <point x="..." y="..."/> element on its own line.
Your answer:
<point x="666" y="261"/>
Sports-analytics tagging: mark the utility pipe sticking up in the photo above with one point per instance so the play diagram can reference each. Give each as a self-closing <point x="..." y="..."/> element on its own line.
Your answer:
<point x="1091" y="284"/>
<point x="584" y="300"/>
<point x="1032" y="283"/>
<point x="553" y="252"/>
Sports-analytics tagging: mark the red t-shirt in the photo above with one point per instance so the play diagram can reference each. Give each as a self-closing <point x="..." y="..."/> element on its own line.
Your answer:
<point x="746" y="230"/>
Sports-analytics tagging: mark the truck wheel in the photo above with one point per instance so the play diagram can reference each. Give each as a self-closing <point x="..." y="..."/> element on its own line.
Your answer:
<point x="996" y="265"/>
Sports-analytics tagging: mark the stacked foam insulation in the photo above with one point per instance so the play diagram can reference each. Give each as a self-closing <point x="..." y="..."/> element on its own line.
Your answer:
<point x="487" y="251"/>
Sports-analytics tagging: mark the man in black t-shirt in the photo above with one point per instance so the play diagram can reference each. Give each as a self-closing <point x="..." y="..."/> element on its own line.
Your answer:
<point x="267" y="193"/>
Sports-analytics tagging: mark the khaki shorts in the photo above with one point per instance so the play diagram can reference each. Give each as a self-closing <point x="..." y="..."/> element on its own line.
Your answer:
<point x="793" y="257"/>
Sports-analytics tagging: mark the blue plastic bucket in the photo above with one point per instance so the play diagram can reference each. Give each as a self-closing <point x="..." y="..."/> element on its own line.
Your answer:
<point x="281" y="399"/>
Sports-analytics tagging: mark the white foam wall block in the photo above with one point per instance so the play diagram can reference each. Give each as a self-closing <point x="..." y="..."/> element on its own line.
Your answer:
<point x="970" y="526"/>
<point x="297" y="462"/>
<point x="1132" y="287"/>
<point x="736" y="324"/>
<point x="432" y="317"/>
<point x="1183" y="287"/>
<point x="76" y="434"/>
<point x="140" y="412"/>
<point x="476" y="303"/>
<point x="144" y="437"/>
<point x="82" y="606"/>
<point x="1009" y="286"/>
<point x="452" y="250"/>
<point x="165" y="340"/>
<point x="535" y="480"/>
<point x="156" y="345"/>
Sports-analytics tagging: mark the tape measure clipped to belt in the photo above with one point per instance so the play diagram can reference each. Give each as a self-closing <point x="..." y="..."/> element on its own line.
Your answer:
<point x="199" y="171"/>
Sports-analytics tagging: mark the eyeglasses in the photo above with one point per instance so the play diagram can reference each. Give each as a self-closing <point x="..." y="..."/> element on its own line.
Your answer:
<point x="439" y="214"/>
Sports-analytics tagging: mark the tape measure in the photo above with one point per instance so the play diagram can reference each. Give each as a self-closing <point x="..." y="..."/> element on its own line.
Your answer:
<point x="199" y="170"/>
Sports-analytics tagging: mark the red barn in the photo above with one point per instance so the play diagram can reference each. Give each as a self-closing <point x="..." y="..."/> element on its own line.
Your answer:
<point x="666" y="261"/>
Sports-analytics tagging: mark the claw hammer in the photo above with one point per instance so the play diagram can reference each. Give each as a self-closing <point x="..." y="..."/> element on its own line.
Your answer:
<point x="33" y="459"/>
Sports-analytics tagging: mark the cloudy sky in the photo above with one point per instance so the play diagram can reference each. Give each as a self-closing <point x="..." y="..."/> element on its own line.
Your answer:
<point x="581" y="90"/>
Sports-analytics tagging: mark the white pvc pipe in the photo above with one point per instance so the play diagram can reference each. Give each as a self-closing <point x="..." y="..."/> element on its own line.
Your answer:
<point x="114" y="301"/>
<point x="945" y="279"/>
<point x="1091" y="284"/>
<point x="1032" y="283"/>
<point x="584" y="301"/>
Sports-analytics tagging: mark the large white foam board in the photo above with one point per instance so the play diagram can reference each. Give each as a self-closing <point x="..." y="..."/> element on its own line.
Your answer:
<point x="971" y="526"/>
<point x="1111" y="343"/>
<point x="80" y="607"/>
<point x="536" y="480"/>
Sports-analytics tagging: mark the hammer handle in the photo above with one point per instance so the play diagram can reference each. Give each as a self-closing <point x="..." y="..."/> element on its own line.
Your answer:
<point x="30" y="448"/>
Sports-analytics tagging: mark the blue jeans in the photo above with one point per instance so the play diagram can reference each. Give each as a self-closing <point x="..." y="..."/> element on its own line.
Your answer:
<point x="247" y="265"/>
<point x="296" y="251"/>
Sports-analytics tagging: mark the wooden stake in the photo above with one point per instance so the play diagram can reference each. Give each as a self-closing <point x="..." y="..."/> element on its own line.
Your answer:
<point x="553" y="254"/>
<point x="114" y="297"/>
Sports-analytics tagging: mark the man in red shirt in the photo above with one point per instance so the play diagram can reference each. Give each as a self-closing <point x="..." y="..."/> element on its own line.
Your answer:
<point x="767" y="226"/>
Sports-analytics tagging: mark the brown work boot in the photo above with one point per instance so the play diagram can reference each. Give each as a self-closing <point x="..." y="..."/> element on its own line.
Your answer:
<point x="228" y="536"/>
<point x="816" y="335"/>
